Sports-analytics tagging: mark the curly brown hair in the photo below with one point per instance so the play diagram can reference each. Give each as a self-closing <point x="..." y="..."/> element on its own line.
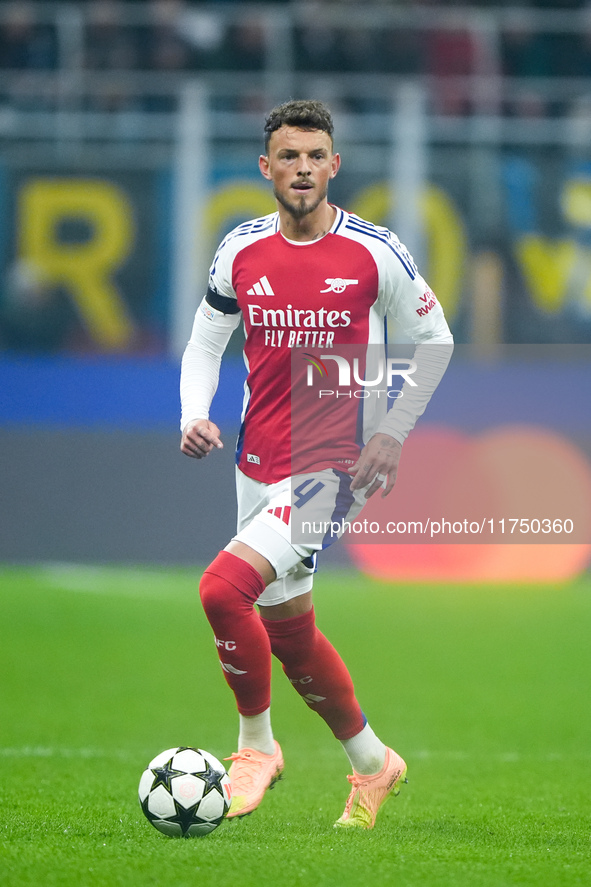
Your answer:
<point x="306" y="114"/>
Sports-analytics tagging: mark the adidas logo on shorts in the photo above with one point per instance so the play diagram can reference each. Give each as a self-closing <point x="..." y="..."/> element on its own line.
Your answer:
<point x="282" y="512"/>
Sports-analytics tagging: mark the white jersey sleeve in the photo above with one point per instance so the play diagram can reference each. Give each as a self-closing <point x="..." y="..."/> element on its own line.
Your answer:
<point x="215" y="320"/>
<point x="405" y="296"/>
<point x="431" y="361"/>
<point x="200" y="367"/>
<point x="434" y="347"/>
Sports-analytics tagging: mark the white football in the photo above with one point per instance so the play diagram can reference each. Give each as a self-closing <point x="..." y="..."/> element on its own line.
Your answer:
<point x="185" y="792"/>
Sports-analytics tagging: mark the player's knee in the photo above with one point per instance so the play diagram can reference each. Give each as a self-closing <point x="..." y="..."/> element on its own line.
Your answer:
<point x="217" y="595"/>
<point x="229" y="586"/>
<point x="221" y="597"/>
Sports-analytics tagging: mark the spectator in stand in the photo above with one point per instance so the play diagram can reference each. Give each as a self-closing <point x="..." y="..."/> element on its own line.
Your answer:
<point x="245" y="48"/>
<point x="318" y="48"/>
<point x="525" y="53"/>
<point x="110" y="45"/>
<point x="204" y="30"/>
<point x="570" y="52"/>
<point x="167" y="48"/>
<point x="449" y="55"/>
<point x="24" y="42"/>
<point x="402" y="50"/>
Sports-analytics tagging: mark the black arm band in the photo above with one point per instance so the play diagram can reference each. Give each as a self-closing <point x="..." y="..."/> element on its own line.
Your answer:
<point x="222" y="303"/>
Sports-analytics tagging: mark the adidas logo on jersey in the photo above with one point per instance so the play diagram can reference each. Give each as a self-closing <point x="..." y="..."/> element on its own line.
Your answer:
<point x="261" y="288"/>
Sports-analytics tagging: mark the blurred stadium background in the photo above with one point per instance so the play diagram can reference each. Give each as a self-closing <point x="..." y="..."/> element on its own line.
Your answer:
<point x="129" y="135"/>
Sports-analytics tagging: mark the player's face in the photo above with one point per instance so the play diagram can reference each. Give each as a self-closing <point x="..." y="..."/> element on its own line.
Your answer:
<point x="300" y="163"/>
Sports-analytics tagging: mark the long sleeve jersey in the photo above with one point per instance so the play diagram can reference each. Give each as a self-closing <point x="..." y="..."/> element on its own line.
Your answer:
<point x="300" y="302"/>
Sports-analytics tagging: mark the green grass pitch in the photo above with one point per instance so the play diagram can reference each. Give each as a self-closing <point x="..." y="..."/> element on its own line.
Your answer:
<point x="484" y="690"/>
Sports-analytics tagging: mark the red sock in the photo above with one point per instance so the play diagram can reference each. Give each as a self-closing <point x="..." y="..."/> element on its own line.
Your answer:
<point x="317" y="672"/>
<point x="228" y="589"/>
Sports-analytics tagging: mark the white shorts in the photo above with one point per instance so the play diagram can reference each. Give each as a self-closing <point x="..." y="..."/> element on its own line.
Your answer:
<point x="265" y="524"/>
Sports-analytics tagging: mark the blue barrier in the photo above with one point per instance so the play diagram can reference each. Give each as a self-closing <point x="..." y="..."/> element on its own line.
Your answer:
<point x="123" y="393"/>
<point x="143" y="393"/>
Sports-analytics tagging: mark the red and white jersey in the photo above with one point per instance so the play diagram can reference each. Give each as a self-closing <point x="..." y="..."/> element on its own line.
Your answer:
<point x="314" y="296"/>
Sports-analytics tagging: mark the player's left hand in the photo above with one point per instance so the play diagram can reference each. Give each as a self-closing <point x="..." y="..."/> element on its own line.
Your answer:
<point x="378" y="462"/>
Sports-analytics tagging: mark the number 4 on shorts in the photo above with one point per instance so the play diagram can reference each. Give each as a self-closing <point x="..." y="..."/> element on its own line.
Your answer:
<point x="303" y="495"/>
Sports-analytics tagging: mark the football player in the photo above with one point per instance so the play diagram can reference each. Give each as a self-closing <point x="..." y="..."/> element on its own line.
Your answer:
<point x="310" y="275"/>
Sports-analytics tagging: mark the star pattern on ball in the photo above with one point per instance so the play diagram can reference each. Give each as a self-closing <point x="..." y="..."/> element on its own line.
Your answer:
<point x="211" y="778"/>
<point x="186" y="817"/>
<point x="164" y="775"/>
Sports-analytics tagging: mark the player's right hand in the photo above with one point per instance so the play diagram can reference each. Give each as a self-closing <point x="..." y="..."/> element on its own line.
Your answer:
<point x="199" y="438"/>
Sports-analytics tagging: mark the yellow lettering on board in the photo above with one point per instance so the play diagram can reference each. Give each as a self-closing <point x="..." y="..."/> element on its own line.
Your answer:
<point x="238" y="201"/>
<point x="445" y="235"/>
<point x="546" y="266"/>
<point x="84" y="269"/>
